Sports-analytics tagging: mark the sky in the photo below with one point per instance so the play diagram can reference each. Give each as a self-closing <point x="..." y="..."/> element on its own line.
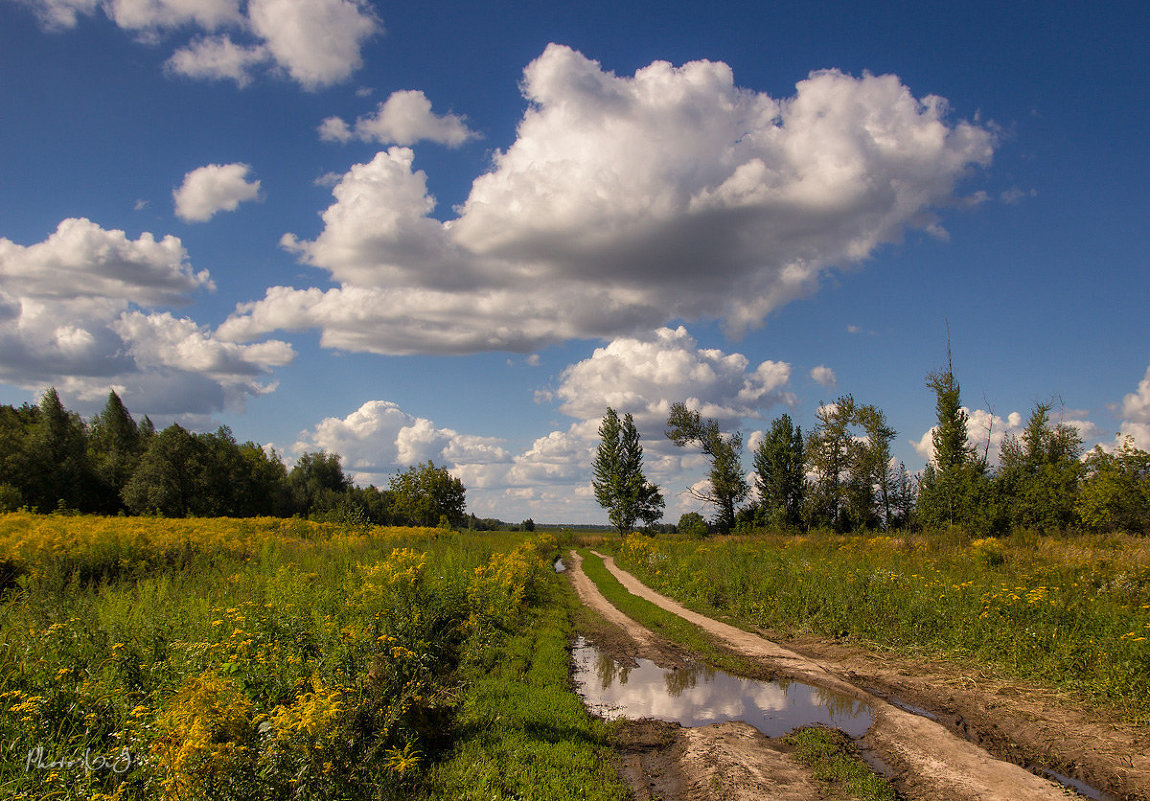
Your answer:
<point x="461" y="231"/>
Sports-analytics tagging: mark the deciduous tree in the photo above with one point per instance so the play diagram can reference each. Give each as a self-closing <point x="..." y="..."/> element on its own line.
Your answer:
<point x="728" y="486"/>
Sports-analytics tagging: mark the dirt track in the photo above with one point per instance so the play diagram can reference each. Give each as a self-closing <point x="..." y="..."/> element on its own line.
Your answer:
<point x="930" y="759"/>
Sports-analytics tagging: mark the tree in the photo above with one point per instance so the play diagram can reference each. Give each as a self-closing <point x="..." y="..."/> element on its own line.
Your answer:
<point x="317" y="483"/>
<point x="953" y="489"/>
<point x="168" y="479"/>
<point x="830" y="451"/>
<point x="619" y="483"/>
<point x="855" y="484"/>
<point x="693" y="525"/>
<point x="58" y="448"/>
<point x="1115" y="493"/>
<point x="780" y="474"/>
<point x="424" y="494"/>
<point x="1039" y="474"/>
<point x="872" y="479"/>
<point x="728" y="486"/>
<point x="114" y="449"/>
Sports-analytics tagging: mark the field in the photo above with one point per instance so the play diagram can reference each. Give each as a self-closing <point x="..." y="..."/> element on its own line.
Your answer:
<point x="268" y="658"/>
<point x="1072" y="612"/>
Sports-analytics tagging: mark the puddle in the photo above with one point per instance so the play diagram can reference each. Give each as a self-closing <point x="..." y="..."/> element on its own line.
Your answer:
<point x="1082" y="788"/>
<point x="700" y="696"/>
<point x="559" y="566"/>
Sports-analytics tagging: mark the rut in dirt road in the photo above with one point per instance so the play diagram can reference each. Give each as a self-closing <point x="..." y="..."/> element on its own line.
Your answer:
<point x="934" y="762"/>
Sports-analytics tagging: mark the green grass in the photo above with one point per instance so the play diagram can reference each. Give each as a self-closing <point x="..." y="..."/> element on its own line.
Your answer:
<point x="1071" y="612"/>
<point x="838" y="765"/>
<point x="523" y="733"/>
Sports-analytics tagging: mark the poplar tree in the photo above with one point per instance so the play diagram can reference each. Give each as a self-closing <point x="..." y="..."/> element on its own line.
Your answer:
<point x="619" y="483"/>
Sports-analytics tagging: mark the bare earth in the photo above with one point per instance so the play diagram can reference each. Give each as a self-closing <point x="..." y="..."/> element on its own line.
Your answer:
<point x="931" y="758"/>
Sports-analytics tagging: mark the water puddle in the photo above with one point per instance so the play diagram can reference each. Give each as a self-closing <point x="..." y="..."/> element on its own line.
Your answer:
<point x="700" y="696"/>
<point x="1082" y="788"/>
<point x="559" y="566"/>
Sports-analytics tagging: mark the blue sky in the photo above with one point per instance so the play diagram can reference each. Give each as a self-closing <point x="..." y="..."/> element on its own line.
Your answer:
<point x="457" y="232"/>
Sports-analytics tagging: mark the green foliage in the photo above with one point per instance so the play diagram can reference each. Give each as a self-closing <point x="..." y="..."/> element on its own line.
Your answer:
<point x="954" y="489"/>
<point x="317" y="483"/>
<point x="692" y="524"/>
<point x="1115" y="492"/>
<point x="114" y="449"/>
<point x="780" y="474"/>
<point x="619" y="483"/>
<point x="728" y="486"/>
<point x="849" y="453"/>
<point x="1039" y="474"/>
<point x="422" y="494"/>
<point x="289" y="659"/>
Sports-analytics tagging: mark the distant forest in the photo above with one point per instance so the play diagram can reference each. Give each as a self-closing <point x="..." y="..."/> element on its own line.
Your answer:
<point x="838" y="476"/>
<point x="52" y="460"/>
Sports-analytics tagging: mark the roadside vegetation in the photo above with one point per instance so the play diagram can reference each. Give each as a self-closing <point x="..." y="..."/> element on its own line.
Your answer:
<point x="1071" y="611"/>
<point x="254" y="659"/>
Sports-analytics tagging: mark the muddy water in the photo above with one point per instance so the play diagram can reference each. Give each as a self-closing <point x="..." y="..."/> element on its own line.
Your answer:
<point x="700" y="696"/>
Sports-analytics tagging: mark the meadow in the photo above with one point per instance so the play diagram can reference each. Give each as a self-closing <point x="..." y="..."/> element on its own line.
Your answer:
<point x="1071" y="611"/>
<point x="270" y="658"/>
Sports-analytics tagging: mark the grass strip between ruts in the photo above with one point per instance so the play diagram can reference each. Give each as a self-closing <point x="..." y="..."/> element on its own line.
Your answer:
<point x="659" y="620"/>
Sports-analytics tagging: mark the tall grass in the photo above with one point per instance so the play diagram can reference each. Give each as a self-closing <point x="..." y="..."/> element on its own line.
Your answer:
<point x="248" y="659"/>
<point x="1073" y="612"/>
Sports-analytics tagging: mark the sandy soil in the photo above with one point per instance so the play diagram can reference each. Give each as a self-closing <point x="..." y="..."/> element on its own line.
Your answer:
<point x="931" y="758"/>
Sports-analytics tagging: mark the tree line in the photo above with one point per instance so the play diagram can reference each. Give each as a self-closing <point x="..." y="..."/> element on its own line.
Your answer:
<point x="841" y="475"/>
<point x="51" y="459"/>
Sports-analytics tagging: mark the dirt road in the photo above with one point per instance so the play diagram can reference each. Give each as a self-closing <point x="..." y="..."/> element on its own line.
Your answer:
<point x="930" y="758"/>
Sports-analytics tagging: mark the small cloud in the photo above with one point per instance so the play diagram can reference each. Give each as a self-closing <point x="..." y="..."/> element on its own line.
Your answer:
<point x="824" y="376"/>
<point x="212" y="188"/>
<point x="403" y="119"/>
<point x="858" y="329"/>
<point x="364" y="91"/>
<point x="532" y="360"/>
<point x="140" y="204"/>
<point x="1015" y="195"/>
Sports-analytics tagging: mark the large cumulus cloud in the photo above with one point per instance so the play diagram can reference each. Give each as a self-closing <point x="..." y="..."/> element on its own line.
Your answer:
<point x="83" y="310"/>
<point x="624" y="203"/>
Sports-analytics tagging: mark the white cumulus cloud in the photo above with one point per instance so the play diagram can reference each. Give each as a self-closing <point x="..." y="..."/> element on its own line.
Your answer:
<point x="380" y="438"/>
<point x="403" y="119"/>
<point x="213" y="188"/>
<point x="218" y="58"/>
<point x="316" y="43"/>
<point x="645" y="376"/>
<point x="823" y="376"/>
<point x="1136" y="414"/>
<point x="78" y="311"/>
<point x="626" y="202"/>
